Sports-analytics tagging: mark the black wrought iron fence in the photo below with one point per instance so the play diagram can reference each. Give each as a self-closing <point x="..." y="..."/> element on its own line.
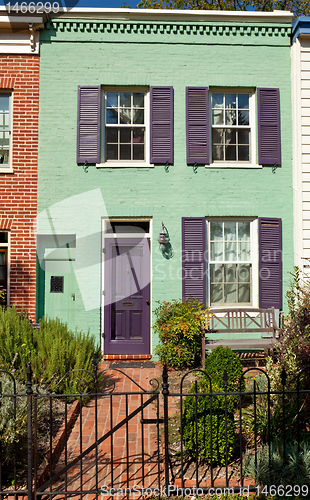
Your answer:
<point x="113" y="437"/>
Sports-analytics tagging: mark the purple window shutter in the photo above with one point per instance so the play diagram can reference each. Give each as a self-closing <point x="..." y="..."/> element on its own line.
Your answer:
<point x="88" y="124"/>
<point x="161" y="124"/>
<point x="270" y="262"/>
<point x="193" y="258"/>
<point x="269" y="137"/>
<point x="197" y="125"/>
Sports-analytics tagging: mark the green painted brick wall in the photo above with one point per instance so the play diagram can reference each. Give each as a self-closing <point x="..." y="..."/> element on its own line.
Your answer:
<point x="73" y="55"/>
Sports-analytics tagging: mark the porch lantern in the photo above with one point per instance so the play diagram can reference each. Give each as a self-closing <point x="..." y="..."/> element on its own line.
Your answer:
<point x="163" y="237"/>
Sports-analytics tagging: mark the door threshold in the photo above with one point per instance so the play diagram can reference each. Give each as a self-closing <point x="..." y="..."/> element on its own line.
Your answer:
<point x="108" y="357"/>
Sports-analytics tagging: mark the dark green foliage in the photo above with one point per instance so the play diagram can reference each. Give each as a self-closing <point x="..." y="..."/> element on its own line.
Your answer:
<point x="298" y="7"/>
<point x="221" y="359"/>
<point x="293" y="468"/>
<point x="53" y="351"/>
<point x="198" y="409"/>
<point x="179" y="325"/>
<point x="198" y="437"/>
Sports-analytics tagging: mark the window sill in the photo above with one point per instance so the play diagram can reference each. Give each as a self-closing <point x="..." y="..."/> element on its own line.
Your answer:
<point x="6" y="170"/>
<point x="233" y="165"/>
<point x="124" y="164"/>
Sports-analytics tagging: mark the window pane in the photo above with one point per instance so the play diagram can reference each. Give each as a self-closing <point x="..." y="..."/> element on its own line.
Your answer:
<point x="230" y="117"/>
<point x="218" y="101"/>
<point x="243" y="136"/>
<point x="216" y="292"/>
<point x="230" y="251"/>
<point x="125" y="152"/>
<point x="216" y="251"/>
<point x="244" y="231"/>
<point x="243" y="153"/>
<point x="244" y="273"/>
<point x="138" y="100"/>
<point x="112" y="115"/>
<point x="138" y="116"/>
<point x="138" y="135"/>
<point x="244" y="293"/>
<point x="217" y="117"/>
<point x="125" y="99"/>
<point x="4" y="139"/>
<point x="112" y="152"/>
<point x="230" y="231"/>
<point x="230" y="294"/>
<point x="217" y="136"/>
<point x="125" y="116"/>
<point x="4" y="120"/>
<point x="216" y="231"/>
<point x="4" y="156"/>
<point x="112" y="99"/>
<point x="2" y="273"/>
<point x="230" y="136"/>
<point x="217" y="153"/>
<point x="244" y="251"/>
<point x="230" y="153"/>
<point x="125" y="135"/>
<point x="230" y="273"/>
<point x="3" y="237"/>
<point x="2" y="258"/>
<point x="138" y="151"/>
<point x="216" y="273"/>
<point x="230" y="101"/>
<point x="112" y="134"/>
<point x="243" y="101"/>
<point x="243" y="117"/>
<point x="4" y="103"/>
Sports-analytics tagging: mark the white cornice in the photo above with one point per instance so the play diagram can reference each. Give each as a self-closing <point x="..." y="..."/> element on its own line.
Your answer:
<point x="19" y="21"/>
<point x="278" y="16"/>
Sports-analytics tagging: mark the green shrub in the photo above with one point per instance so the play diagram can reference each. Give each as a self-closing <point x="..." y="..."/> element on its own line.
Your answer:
<point x="221" y="359"/>
<point x="179" y="325"/>
<point x="293" y="468"/>
<point x="53" y="351"/>
<point x="197" y="409"/>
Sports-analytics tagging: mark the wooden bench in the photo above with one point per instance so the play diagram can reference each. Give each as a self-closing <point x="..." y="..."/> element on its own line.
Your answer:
<point x="240" y="329"/>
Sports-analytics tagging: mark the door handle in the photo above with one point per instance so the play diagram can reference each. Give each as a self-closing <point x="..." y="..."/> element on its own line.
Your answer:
<point x="148" y="302"/>
<point x="73" y="296"/>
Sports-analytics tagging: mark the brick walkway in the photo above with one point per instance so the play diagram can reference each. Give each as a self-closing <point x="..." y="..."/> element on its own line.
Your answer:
<point x="134" y="458"/>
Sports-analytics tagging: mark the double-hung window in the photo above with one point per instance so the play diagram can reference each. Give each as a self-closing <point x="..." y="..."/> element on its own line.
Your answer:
<point x="230" y="262"/>
<point x="222" y="128"/>
<point x="5" y="130"/>
<point x="231" y="127"/>
<point x="125" y="126"/>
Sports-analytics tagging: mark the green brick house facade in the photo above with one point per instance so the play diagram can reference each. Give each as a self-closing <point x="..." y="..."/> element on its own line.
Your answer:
<point x="162" y="121"/>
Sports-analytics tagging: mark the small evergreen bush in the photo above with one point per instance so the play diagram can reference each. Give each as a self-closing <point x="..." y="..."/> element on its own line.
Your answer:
<point x="53" y="350"/>
<point x="179" y="325"/>
<point x="293" y="468"/>
<point x="198" y="409"/>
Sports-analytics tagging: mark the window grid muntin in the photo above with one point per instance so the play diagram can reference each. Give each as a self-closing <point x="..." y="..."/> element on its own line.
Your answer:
<point x="224" y="127"/>
<point x="125" y="126"/>
<point x="238" y="263"/>
<point x="5" y="130"/>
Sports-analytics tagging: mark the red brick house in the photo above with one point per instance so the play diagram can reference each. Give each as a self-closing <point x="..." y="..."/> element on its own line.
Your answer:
<point x="19" y="109"/>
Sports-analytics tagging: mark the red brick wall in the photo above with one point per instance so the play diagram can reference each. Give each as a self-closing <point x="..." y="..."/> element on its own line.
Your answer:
<point x="18" y="203"/>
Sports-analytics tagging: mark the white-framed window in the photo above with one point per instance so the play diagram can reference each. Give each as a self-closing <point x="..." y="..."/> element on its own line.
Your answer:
<point x="124" y="136"/>
<point x="233" y="267"/>
<point x="5" y="129"/>
<point x="232" y="126"/>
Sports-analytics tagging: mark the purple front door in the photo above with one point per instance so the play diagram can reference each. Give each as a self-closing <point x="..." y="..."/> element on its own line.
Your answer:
<point x="127" y="296"/>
